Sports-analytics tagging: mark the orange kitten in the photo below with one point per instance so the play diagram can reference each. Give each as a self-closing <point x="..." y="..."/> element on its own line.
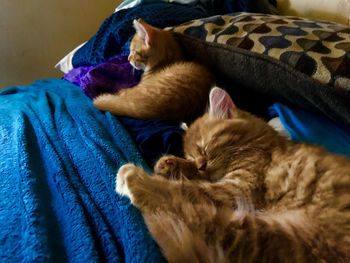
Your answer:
<point x="244" y="194"/>
<point x="170" y="88"/>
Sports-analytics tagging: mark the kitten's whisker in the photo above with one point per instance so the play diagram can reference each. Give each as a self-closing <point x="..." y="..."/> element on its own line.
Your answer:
<point x="183" y="177"/>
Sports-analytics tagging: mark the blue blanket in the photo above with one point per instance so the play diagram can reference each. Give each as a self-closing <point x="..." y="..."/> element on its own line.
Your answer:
<point x="59" y="157"/>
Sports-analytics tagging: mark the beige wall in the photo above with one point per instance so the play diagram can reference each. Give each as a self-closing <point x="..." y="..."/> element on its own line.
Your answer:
<point x="36" y="34"/>
<point x="334" y="10"/>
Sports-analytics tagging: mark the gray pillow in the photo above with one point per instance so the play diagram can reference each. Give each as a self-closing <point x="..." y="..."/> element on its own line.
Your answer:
<point x="254" y="70"/>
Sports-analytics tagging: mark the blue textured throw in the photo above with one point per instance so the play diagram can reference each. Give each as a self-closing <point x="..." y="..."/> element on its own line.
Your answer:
<point x="59" y="157"/>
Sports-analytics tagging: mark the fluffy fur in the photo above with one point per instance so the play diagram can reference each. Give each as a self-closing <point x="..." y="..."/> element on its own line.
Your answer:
<point x="244" y="194"/>
<point x="170" y="88"/>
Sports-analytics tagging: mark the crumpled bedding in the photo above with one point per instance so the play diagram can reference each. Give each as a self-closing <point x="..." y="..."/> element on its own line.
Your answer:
<point x="99" y="67"/>
<point x="153" y="138"/>
<point x="59" y="157"/>
<point x="115" y="73"/>
<point x="107" y="77"/>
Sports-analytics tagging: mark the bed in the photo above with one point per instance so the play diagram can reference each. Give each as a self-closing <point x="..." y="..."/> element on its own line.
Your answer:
<point x="59" y="155"/>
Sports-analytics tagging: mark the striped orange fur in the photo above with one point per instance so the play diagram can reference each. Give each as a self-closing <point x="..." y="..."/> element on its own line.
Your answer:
<point x="171" y="88"/>
<point x="244" y="194"/>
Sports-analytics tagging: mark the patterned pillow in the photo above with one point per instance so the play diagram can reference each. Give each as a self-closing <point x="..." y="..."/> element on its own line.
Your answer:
<point x="318" y="49"/>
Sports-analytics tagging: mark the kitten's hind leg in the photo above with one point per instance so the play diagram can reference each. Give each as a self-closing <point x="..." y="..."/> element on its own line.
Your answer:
<point x="136" y="103"/>
<point x="142" y="102"/>
<point x="115" y="104"/>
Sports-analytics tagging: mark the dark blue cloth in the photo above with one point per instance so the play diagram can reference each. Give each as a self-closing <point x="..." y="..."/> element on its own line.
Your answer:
<point x="222" y="7"/>
<point x="229" y="6"/>
<point x="59" y="158"/>
<point x="304" y="126"/>
<point x="114" y="35"/>
<point x="155" y="138"/>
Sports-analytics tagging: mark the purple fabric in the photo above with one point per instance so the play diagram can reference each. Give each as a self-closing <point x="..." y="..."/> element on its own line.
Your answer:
<point x="107" y="77"/>
<point x="153" y="137"/>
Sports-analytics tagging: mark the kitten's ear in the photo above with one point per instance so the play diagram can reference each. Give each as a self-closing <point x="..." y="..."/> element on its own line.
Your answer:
<point x="144" y="30"/>
<point x="221" y="105"/>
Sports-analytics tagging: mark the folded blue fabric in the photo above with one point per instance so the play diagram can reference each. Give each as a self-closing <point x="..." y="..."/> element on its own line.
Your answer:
<point x="59" y="157"/>
<point x="304" y="126"/>
<point x="113" y="37"/>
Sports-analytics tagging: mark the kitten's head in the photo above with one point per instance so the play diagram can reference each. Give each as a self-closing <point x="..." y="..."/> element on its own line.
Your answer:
<point x="152" y="47"/>
<point x="220" y="136"/>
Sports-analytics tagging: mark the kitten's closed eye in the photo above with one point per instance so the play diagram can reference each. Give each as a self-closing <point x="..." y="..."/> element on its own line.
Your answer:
<point x="137" y="60"/>
<point x="137" y="54"/>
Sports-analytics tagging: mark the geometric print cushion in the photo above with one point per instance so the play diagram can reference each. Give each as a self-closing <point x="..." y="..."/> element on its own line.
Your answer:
<point x="319" y="49"/>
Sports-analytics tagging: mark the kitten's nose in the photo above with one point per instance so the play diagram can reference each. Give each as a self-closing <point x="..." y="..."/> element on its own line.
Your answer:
<point x="201" y="164"/>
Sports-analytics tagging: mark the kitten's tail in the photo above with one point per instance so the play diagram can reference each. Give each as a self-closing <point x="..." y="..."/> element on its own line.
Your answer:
<point x="242" y="237"/>
<point x="180" y="244"/>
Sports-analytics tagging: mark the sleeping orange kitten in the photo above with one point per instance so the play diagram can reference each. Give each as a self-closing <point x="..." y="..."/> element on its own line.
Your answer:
<point x="244" y="194"/>
<point x="170" y="88"/>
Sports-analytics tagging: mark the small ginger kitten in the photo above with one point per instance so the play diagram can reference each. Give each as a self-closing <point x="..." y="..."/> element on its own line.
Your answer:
<point x="170" y="88"/>
<point x="244" y="194"/>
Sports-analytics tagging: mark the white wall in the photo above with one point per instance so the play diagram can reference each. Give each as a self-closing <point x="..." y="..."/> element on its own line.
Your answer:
<point x="35" y="34"/>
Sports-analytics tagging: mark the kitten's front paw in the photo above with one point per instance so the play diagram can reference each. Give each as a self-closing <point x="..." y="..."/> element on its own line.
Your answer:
<point x="175" y="168"/>
<point x="167" y="166"/>
<point x="125" y="171"/>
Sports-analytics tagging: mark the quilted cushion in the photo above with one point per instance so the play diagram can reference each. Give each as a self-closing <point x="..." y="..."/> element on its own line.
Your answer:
<point x="318" y="49"/>
<point x="261" y="59"/>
